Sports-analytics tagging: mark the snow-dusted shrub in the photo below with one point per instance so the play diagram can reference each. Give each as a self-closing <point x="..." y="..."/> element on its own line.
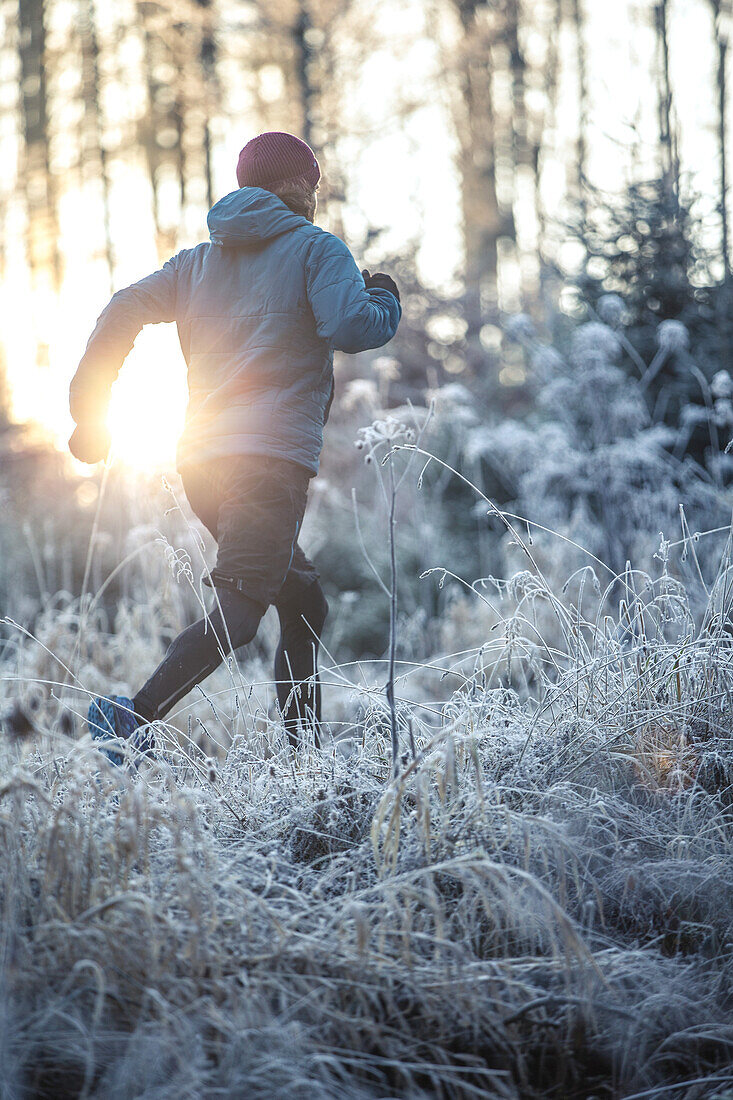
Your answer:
<point x="590" y="464"/>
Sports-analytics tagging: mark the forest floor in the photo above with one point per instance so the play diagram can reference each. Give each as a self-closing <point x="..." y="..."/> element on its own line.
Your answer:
<point x="538" y="904"/>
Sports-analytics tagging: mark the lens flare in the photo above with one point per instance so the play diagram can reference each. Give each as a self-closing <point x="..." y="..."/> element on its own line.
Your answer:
<point x="149" y="401"/>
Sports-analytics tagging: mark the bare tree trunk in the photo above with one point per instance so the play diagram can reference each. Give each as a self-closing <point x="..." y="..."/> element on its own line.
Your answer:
<point x="308" y="64"/>
<point x="721" y="11"/>
<point x="518" y="67"/>
<point x="92" y="144"/>
<point x="483" y="224"/>
<point x="548" y="275"/>
<point x="520" y="165"/>
<point x="722" y="14"/>
<point x="669" y="160"/>
<point x="208" y="174"/>
<point x="34" y="170"/>
<point x="302" y="30"/>
<point x="148" y="133"/>
<point x="10" y="111"/>
<point x="581" y="144"/>
<point x="207" y="58"/>
<point x="722" y="144"/>
<point x="314" y="64"/>
<point x="208" y="62"/>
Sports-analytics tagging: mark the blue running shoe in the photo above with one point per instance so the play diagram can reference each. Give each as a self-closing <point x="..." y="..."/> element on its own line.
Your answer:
<point x="113" y="718"/>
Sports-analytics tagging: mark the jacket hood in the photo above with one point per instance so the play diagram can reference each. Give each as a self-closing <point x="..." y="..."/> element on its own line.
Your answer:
<point x="250" y="216"/>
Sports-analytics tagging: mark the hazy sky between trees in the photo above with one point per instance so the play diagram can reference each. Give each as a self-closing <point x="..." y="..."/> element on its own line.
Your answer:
<point x="390" y="132"/>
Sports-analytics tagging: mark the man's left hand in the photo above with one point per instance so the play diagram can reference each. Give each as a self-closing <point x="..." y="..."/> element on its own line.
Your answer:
<point x="382" y="280"/>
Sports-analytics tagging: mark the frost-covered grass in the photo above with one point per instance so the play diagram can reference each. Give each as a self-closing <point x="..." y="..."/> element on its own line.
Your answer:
<point x="540" y="904"/>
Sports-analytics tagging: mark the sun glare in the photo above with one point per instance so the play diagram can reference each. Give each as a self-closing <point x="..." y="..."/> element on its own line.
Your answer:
<point x="149" y="401"/>
<point x="43" y="340"/>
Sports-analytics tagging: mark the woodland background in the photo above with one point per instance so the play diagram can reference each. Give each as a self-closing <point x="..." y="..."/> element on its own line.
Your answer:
<point x="519" y="883"/>
<point x="498" y="157"/>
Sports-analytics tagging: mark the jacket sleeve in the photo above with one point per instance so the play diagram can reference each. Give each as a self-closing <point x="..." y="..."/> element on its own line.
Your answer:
<point x="149" y="301"/>
<point x="350" y="316"/>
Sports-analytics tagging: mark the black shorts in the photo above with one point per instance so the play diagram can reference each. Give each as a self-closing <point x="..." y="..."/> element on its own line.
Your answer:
<point x="253" y="505"/>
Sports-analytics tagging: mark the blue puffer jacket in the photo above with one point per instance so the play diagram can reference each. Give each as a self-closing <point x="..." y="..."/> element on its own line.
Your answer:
<point x="259" y="311"/>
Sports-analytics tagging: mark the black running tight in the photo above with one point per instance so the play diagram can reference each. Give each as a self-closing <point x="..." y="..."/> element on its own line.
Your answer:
<point x="200" y="649"/>
<point x="296" y="661"/>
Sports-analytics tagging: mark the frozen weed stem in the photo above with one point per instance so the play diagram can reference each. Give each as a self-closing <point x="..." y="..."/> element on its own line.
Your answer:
<point x="380" y="441"/>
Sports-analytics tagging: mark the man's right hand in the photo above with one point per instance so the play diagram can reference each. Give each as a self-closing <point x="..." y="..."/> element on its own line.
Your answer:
<point x="90" y="443"/>
<point x="382" y="280"/>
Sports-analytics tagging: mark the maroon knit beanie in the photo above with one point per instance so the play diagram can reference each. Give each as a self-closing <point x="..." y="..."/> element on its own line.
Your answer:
<point x="274" y="157"/>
